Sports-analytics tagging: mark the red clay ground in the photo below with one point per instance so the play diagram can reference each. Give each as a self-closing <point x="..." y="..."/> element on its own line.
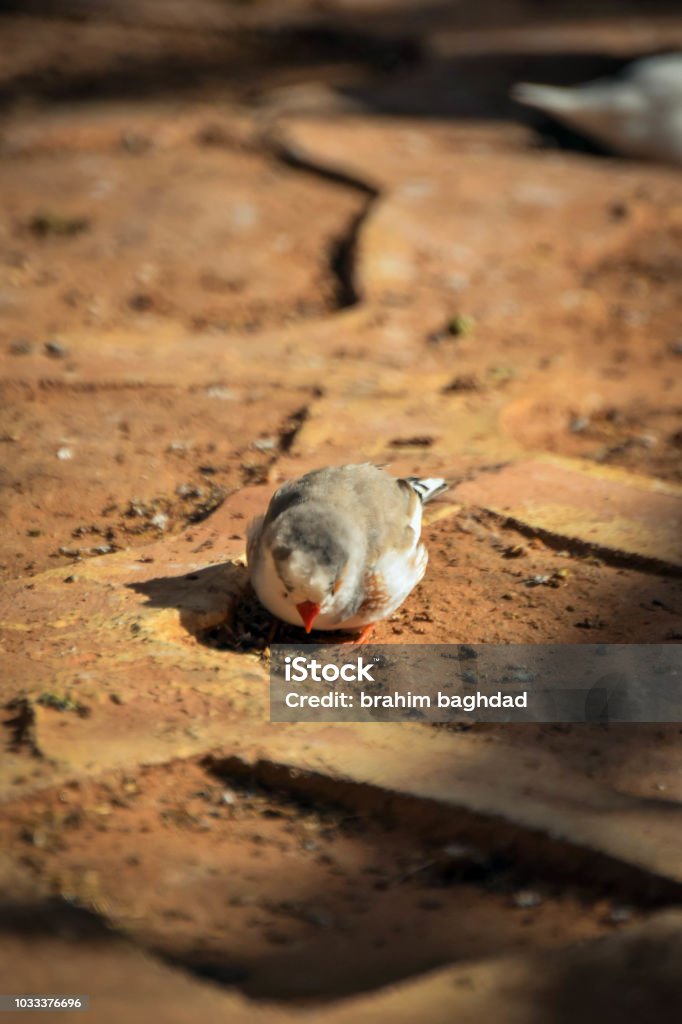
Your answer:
<point x="235" y="252"/>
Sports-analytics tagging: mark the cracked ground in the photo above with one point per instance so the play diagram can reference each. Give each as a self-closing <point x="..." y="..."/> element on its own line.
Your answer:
<point x="240" y="243"/>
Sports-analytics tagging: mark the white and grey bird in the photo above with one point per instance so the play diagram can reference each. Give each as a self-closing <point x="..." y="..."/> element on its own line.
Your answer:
<point x="637" y="113"/>
<point x="340" y="548"/>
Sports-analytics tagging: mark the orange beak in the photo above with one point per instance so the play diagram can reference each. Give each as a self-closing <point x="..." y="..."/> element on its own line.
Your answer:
<point x="308" y="612"/>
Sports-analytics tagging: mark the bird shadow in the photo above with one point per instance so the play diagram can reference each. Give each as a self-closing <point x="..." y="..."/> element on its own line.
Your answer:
<point x="219" y="608"/>
<point x="204" y="599"/>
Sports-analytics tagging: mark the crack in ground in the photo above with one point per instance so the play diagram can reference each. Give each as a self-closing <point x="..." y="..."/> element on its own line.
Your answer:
<point x="88" y="387"/>
<point x="273" y="143"/>
<point x="282" y="444"/>
<point x="291" y="429"/>
<point x="343" y="250"/>
<point x="583" y="549"/>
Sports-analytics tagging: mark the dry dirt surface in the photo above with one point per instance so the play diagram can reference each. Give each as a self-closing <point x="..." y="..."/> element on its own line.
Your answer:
<point x="257" y="238"/>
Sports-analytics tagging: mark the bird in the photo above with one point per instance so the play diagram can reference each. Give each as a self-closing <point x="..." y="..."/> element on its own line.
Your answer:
<point x="340" y="548"/>
<point x="638" y="113"/>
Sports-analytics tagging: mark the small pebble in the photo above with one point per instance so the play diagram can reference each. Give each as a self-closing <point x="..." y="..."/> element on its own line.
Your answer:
<point x="537" y="581"/>
<point x="55" y="349"/>
<point x="64" y="454"/>
<point x="429" y="903"/>
<point x="646" y="440"/>
<point x="189" y="491"/>
<point x="515" y="551"/>
<point x="526" y="899"/>
<point x="319" y="918"/>
<point x="133" y="142"/>
<point x="618" y="915"/>
<point x="459" y="851"/>
<point x="225" y="394"/>
<point x="517" y="674"/>
<point x="266" y="444"/>
<point x="141" y="302"/>
<point x="20" y="347"/>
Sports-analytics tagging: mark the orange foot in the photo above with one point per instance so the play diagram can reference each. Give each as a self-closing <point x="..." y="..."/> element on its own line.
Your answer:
<point x="365" y="634"/>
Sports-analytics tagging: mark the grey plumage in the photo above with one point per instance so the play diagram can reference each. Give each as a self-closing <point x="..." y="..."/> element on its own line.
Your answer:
<point x="344" y="540"/>
<point x="306" y="510"/>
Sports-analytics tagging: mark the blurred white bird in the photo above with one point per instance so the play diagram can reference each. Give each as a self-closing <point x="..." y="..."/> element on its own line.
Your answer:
<point x="636" y="114"/>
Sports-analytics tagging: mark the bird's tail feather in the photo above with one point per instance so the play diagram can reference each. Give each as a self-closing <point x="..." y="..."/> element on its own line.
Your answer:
<point x="426" y="487"/>
<point x="552" y="99"/>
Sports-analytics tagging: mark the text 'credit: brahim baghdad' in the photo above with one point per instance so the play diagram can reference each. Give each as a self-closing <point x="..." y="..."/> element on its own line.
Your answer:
<point x="483" y="682"/>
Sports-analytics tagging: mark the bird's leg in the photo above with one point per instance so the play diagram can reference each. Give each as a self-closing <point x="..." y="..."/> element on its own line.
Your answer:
<point x="362" y="638"/>
<point x="365" y="634"/>
<point x="274" y="633"/>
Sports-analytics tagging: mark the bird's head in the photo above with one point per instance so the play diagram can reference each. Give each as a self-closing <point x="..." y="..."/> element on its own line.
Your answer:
<point x="313" y="555"/>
